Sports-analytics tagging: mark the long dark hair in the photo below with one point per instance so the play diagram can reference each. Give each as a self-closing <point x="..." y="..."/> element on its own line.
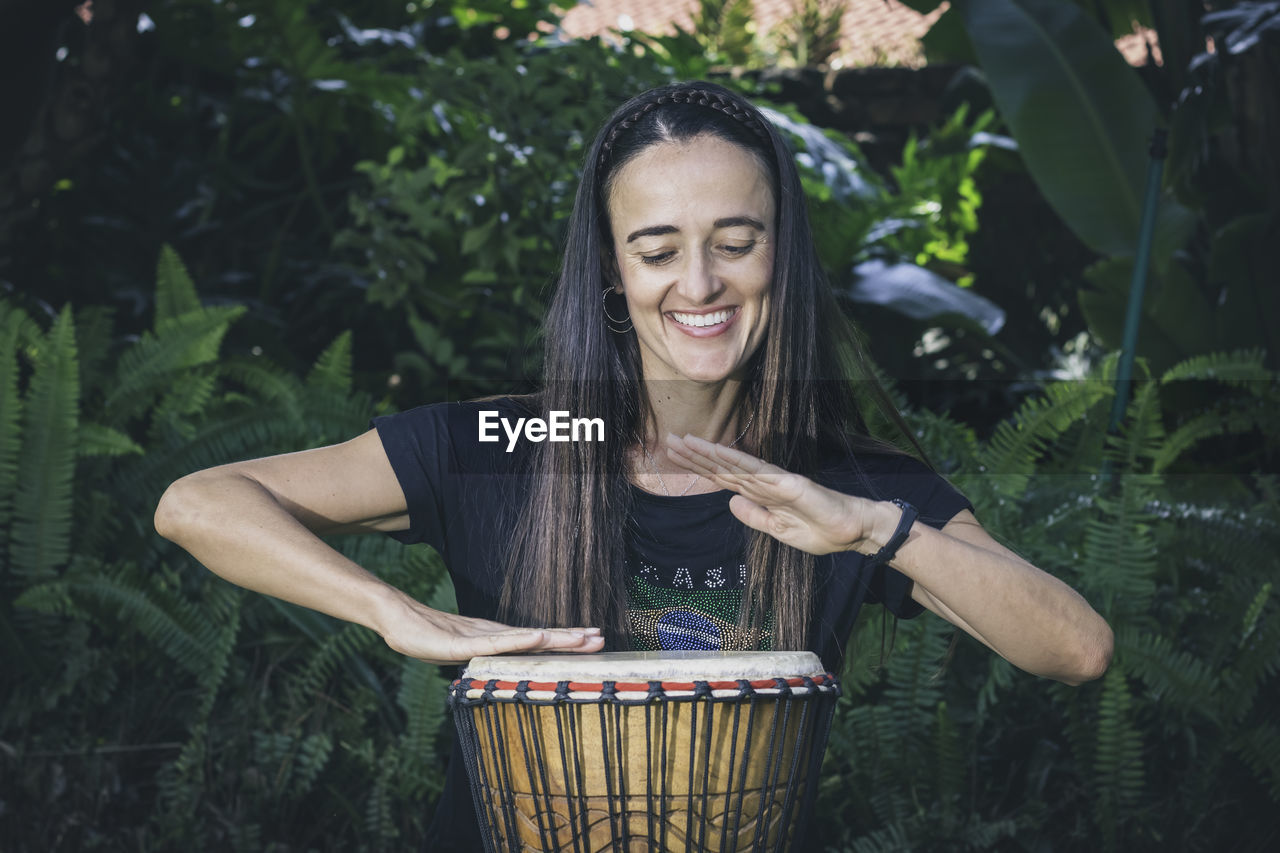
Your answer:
<point x="806" y="390"/>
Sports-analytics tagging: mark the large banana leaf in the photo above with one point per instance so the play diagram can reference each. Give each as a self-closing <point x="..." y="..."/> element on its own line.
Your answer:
<point x="1176" y="320"/>
<point x="924" y="295"/>
<point x="1082" y="118"/>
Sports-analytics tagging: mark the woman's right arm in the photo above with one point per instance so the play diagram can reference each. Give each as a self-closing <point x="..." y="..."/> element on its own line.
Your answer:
<point x="258" y="524"/>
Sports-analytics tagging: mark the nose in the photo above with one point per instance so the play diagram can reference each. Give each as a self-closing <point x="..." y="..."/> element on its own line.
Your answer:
<point x="700" y="284"/>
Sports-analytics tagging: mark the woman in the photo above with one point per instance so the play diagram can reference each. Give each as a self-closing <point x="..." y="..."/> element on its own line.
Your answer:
<point x="735" y="500"/>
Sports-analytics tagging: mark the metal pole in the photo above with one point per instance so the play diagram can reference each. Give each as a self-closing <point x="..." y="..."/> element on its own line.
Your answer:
<point x="1138" y="286"/>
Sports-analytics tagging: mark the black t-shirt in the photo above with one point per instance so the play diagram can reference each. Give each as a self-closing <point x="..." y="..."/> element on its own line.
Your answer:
<point x="685" y="555"/>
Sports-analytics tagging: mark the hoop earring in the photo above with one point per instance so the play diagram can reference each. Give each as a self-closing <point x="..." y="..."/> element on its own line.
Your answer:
<point x="604" y="300"/>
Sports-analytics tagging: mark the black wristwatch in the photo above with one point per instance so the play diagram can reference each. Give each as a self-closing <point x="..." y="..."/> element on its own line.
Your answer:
<point x="900" y="533"/>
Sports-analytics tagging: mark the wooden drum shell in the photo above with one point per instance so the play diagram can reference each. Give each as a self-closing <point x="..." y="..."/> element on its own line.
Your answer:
<point x="669" y="763"/>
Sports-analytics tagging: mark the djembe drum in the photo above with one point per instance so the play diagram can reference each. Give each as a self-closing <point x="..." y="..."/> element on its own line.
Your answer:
<point x="644" y="751"/>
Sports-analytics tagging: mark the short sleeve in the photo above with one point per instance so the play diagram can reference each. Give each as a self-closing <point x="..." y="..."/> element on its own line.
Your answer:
<point x="418" y="446"/>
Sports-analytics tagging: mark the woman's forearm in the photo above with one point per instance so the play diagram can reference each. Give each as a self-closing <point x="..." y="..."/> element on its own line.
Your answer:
<point x="1027" y="616"/>
<point x="255" y="523"/>
<point x="237" y="529"/>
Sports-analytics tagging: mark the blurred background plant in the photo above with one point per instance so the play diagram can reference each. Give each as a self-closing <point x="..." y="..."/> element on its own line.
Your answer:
<point x="371" y="195"/>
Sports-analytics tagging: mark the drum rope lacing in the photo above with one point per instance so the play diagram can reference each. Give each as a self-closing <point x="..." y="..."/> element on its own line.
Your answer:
<point x="472" y="691"/>
<point x="571" y="818"/>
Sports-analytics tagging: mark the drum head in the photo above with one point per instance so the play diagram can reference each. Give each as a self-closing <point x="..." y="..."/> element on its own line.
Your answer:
<point x="645" y="666"/>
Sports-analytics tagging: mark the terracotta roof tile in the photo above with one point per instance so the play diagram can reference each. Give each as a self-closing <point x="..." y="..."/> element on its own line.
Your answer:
<point x="874" y="32"/>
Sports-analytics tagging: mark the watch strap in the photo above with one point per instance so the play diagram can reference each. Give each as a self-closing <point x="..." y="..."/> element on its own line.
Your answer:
<point x="900" y="533"/>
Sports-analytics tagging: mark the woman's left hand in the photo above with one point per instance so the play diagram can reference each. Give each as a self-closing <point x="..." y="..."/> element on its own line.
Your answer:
<point x="1032" y="619"/>
<point x="789" y="507"/>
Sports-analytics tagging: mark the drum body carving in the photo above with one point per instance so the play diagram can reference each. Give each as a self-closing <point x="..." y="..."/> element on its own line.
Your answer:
<point x="658" y="751"/>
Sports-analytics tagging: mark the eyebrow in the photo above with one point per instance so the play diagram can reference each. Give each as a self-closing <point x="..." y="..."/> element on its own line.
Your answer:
<point x="727" y="222"/>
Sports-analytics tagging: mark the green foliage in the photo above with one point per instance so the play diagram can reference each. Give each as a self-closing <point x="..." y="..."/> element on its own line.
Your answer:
<point x="725" y="30"/>
<point x="723" y="33"/>
<point x="936" y="188"/>
<point x="810" y="35"/>
<point x="461" y="223"/>
<point x="1176" y="744"/>
<point x="246" y="712"/>
<point x="134" y="662"/>
<point x="1084" y="120"/>
<point x="1082" y="117"/>
<point x="40" y="533"/>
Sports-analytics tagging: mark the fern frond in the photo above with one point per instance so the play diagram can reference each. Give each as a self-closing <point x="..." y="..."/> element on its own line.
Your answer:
<point x="1190" y="433"/>
<point x="1120" y="556"/>
<point x="948" y="761"/>
<point x="418" y="571"/>
<point x="1241" y="368"/>
<point x="1223" y="539"/>
<point x="41" y="532"/>
<point x="147" y="369"/>
<point x="1009" y="459"/>
<point x="332" y="369"/>
<point x="1254" y="663"/>
<point x="379" y="820"/>
<point x="222" y="606"/>
<point x="1254" y="611"/>
<point x="267" y="382"/>
<point x="421" y="697"/>
<point x="1260" y="749"/>
<point x="175" y="291"/>
<point x="181" y="784"/>
<point x="17" y="327"/>
<point x="186" y="398"/>
<point x="347" y="642"/>
<point x="329" y="416"/>
<point x="1142" y="434"/>
<point x="12" y="321"/>
<point x="273" y="751"/>
<point x="1118" y="762"/>
<point x="893" y="838"/>
<point x="1172" y="676"/>
<point x="999" y="678"/>
<point x="99" y="440"/>
<point x="245" y="837"/>
<point x="914" y="688"/>
<point x="293" y="762"/>
<point x="866" y="738"/>
<point x="313" y="756"/>
<point x="238" y="433"/>
<point x="180" y="629"/>
<point x="96" y="342"/>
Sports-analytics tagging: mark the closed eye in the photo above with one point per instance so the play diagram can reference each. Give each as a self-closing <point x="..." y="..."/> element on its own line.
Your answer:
<point x="663" y="257"/>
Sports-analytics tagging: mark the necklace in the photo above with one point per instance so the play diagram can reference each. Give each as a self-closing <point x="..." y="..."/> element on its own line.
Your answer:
<point x="653" y="463"/>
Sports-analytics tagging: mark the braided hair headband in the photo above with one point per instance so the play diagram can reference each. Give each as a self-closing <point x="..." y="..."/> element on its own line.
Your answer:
<point x="698" y="97"/>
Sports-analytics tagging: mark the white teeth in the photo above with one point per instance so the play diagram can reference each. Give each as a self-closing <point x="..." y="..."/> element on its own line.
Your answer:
<point x="703" y="319"/>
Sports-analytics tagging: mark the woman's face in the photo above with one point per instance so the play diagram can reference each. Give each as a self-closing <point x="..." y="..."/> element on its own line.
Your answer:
<point x="693" y="230"/>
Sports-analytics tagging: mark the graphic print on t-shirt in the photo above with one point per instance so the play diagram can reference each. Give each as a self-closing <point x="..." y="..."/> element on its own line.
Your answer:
<point x="681" y="608"/>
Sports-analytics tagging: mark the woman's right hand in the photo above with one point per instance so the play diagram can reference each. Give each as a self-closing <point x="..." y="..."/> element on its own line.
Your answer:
<point x="255" y="523"/>
<point x="413" y="629"/>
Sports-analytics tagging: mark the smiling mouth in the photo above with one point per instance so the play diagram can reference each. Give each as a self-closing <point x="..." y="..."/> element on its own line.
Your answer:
<point x="699" y="321"/>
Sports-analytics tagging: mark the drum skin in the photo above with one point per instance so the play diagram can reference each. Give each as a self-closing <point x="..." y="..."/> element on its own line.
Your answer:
<point x="644" y="751"/>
